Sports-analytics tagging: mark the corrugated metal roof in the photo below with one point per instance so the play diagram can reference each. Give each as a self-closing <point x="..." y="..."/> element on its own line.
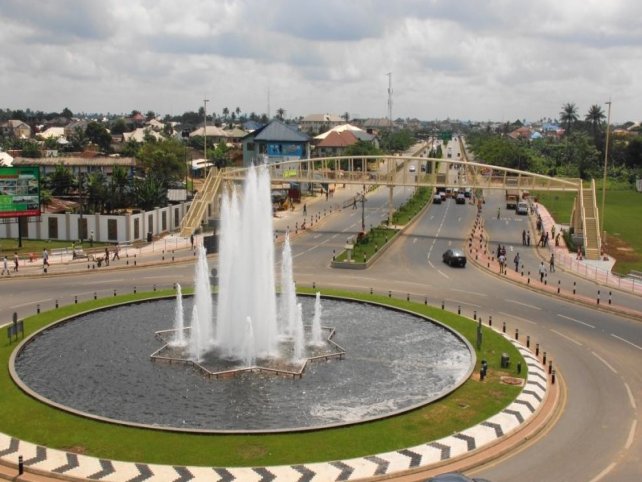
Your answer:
<point x="278" y="131"/>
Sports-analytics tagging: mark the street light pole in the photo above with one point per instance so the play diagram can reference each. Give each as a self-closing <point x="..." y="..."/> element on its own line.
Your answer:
<point x="606" y="157"/>
<point x="363" y="213"/>
<point x="205" y="101"/>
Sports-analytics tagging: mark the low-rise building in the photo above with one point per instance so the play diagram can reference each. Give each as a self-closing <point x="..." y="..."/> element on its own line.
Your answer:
<point x="275" y="142"/>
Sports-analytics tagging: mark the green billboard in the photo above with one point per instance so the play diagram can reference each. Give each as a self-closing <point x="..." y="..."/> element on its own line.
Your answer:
<point x="19" y="192"/>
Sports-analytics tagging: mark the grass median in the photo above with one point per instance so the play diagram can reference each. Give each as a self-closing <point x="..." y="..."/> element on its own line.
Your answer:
<point x="473" y="402"/>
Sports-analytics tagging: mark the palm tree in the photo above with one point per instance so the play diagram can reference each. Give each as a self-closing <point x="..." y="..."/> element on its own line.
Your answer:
<point x="346" y="116"/>
<point x="595" y="117"/>
<point x="569" y="116"/>
<point x="226" y="112"/>
<point x="280" y="113"/>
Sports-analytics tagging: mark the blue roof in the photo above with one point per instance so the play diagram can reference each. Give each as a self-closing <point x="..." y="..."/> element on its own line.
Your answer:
<point x="276" y="130"/>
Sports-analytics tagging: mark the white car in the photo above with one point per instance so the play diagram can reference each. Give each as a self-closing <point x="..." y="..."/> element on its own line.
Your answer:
<point x="413" y="168"/>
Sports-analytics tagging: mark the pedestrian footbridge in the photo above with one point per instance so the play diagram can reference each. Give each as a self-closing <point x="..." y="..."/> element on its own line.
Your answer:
<point x="415" y="170"/>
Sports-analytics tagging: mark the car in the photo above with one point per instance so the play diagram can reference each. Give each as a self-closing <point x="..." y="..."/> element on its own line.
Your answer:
<point x="436" y="199"/>
<point x="460" y="199"/>
<point x="453" y="477"/>
<point x="521" y="208"/>
<point x="412" y="168"/>
<point x="467" y="192"/>
<point x="454" y="257"/>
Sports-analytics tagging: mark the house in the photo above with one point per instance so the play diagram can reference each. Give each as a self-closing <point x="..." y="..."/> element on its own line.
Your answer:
<point x="155" y="124"/>
<point x="319" y="122"/>
<point x="359" y="133"/>
<point x="77" y="125"/>
<point x="275" y="142"/>
<point x="78" y="165"/>
<point x="6" y="159"/>
<point x="52" y="133"/>
<point x="235" y="134"/>
<point x="139" y="134"/>
<point x="214" y="134"/>
<point x="334" y="144"/>
<point x="521" y="133"/>
<point x="16" y="128"/>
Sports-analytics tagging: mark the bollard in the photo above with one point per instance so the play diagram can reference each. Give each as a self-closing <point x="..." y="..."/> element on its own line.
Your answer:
<point x="474" y="314"/>
<point x="490" y="320"/>
<point x="553" y="378"/>
<point x="370" y="290"/>
<point x="154" y="286"/>
<point x="544" y="359"/>
<point x="425" y="300"/>
<point x="598" y="297"/>
<point x="95" y="296"/>
<point x="537" y="349"/>
<point x="550" y="367"/>
<point x="76" y="299"/>
<point x="314" y="285"/>
<point x="610" y="294"/>
<point x="519" y="367"/>
<point x="459" y="309"/>
<point x="38" y="308"/>
<point x="21" y="465"/>
<point x="574" y="285"/>
<point x="528" y="280"/>
<point x="443" y="305"/>
<point x="134" y="290"/>
<point x="407" y="296"/>
<point x="528" y="341"/>
<point x="389" y="294"/>
<point x="114" y="292"/>
<point x="558" y="287"/>
<point x="517" y="333"/>
<point x="503" y="327"/>
<point x="56" y="303"/>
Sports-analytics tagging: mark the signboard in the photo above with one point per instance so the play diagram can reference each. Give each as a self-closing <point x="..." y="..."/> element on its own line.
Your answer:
<point x="19" y="192"/>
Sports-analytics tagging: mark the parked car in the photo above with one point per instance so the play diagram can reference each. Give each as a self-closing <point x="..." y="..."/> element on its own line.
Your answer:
<point x="454" y="257"/>
<point x="460" y="199"/>
<point x="454" y="477"/>
<point x="436" y="199"/>
<point x="467" y="192"/>
<point x="412" y="168"/>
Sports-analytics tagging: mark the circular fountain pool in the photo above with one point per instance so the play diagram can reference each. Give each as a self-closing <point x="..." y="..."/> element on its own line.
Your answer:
<point x="99" y="364"/>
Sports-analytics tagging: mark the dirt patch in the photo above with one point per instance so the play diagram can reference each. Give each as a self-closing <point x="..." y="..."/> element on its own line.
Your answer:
<point x="620" y="249"/>
<point x="513" y="381"/>
<point x="77" y="449"/>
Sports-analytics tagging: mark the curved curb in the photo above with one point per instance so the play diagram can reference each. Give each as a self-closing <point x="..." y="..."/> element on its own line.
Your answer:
<point x="70" y="466"/>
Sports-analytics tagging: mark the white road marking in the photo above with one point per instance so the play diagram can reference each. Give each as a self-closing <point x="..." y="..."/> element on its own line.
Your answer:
<point x="468" y="292"/>
<point x="576" y="321"/>
<point x="102" y="282"/>
<point x="631" y="398"/>
<point x="605" y="362"/>
<point x="567" y="337"/>
<point x="631" y="437"/>
<point x="450" y="243"/>
<point x="414" y="241"/>
<point x="626" y="341"/>
<point x="32" y="303"/>
<point x="524" y="304"/>
<point x="518" y="318"/>
<point x="316" y="236"/>
<point x="443" y="274"/>
<point x="603" y="474"/>
<point x="430" y="263"/>
<point x="462" y="303"/>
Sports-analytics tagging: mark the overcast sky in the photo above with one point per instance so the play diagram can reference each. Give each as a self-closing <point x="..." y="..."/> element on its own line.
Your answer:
<point x="471" y="59"/>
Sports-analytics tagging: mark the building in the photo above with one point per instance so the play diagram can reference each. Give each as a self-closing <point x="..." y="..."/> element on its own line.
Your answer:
<point x="78" y="165"/>
<point x="319" y="122"/>
<point x="214" y="134"/>
<point x="16" y="128"/>
<point x="140" y="133"/>
<point x="334" y="144"/>
<point x="275" y="142"/>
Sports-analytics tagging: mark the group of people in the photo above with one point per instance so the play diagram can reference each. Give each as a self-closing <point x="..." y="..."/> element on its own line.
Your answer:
<point x="5" y="264"/>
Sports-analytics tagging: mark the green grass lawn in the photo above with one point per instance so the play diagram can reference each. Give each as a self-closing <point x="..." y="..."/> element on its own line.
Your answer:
<point x="473" y="402"/>
<point x="622" y="222"/>
<point x="10" y="245"/>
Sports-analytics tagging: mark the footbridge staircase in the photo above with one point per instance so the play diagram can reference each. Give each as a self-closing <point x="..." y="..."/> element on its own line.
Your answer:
<point x="585" y="220"/>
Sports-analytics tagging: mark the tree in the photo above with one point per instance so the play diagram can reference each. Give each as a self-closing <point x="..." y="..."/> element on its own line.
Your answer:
<point x="119" y="126"/>
<point x="149" y="192"/>
<point x="99" y="135"/>
<point x="30" y="149"/>
<point x="118" y="191"/>
<point x="78" y="140"/>
<point x="66" y="113"/>
<point x="280" y="113"/>
<point x="150" y="115"/>
<point x="346" y="117"/>
<point x="164" y="159"/>
<point x="568" y="116"/>
<point x="96" y="190"/>
<point x="595" y="117"/>
<point x="60" y="182"/>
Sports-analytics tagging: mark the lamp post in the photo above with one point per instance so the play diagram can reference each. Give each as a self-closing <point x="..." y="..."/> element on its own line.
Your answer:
<point x="205" y="101"/>
<point x="362" y="200"/>
<point x="606" y="157"/>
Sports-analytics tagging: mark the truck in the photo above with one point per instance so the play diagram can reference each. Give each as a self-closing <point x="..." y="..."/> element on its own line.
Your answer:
<point x="512" y="198"/>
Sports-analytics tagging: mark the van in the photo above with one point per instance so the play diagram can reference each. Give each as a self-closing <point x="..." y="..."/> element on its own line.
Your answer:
<point x="521" y="208"/>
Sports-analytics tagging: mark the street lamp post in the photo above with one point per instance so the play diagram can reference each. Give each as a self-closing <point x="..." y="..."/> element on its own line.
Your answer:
<point x="606" y="157"/>
<point x="205" y="101"/>
<point x="362" y="200"/>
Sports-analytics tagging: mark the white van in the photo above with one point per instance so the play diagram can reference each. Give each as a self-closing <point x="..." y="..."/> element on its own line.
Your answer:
<point x="521" y="208"/>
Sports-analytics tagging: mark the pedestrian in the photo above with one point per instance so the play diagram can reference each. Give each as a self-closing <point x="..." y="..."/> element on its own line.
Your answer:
<point x="542" y="272"/>
<point x="5" y="266"/>
<point x="499" y="210"/>
<point x="116" y="253"/>
<point x="551" y="263"/>
<point x="502" y="264"/>
<point x="91" y="238"/>
<point x="191" y="240"/>
<point x="579" y="253"/>
<point x="326" y="194"/>
<point x="528" y="237"/>
<point x="499" y="250"/>
<point x="541" y="240"/>
<point x="516" y="261"/>
<point x="557" y="239"/>
<point x="305" y="210"/>
<point x="16" y="261"/>
<point x="546" y="239"/>
<point x="354" y="203"/>
<point x="106" y="256"/>
<point x="45" y="257"/>
<point x="524" y="237"/>
<point x="553" y="231"/>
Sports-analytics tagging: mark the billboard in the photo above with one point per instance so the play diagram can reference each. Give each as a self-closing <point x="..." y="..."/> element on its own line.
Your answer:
<point x="19" y="192"/>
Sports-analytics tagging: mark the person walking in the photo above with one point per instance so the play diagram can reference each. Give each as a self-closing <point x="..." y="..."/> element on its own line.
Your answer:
<point x="542" y="272"/>
<point x="502" y="264"/>
<point x="516" y="261"/>
<point x="528" y="237"/>
<point x="191" y="240"/>
<point x="524" y="237"/>
<point x="5" y="266"/>
<point x="354" y="203"/>
<point x="45" y="258"/>
<point x="106" y="256"/>
<point x="499" y="211"/>
<point x="116" y="253"/>
<point x="305" y="210"/>
<point x="16" y="261"/>
<point x="551" y="263"/>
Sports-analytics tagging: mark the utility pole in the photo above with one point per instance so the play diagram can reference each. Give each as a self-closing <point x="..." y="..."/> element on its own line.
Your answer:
<point x="389" y="74"/>
<point x="205" y="101"/>
<point x="606" y="157"/>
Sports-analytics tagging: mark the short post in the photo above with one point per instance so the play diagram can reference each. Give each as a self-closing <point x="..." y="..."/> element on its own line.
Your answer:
<point x="56" y="303"/>
<point x="475" y="315"/>
<point x="528" y="341"/>
<point x="407" y="296"/>
<point x="425" y="300"/>
<point x="370" y="290"/>
<point x="519" y="368"/>
<point x="114" y="292"/>
<point x="134" y="290"/>
<point x="443" y="305"/>
<point x="389" y="294"/>
<point x="503" y="327"/>
<point x="314" y="285"/>
<point x="537" y="349"/>
<point x="154" y="286"/>
<point x="95" y="295"/>
<point x="553" y="378"/>
<point x="528" y="280"/>
<point x="38" y="308"/>
<point x="598" y="297"/>
<point x="21" y="465"/>
<point x="550" y="367"/>
<point x="459" y="309"/>
<point x="558" y="286"/>
<point x="544" y="359"/>
<point x="490" y="320"/>
<point x="517" y="333"/>
<point x="76" y="299"/>
<point x="574" y="286"/>
<point x="610" y="294"/>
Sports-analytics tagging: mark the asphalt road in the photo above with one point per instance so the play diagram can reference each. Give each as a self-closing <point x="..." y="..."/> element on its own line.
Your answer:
<point x="596" y="353"/>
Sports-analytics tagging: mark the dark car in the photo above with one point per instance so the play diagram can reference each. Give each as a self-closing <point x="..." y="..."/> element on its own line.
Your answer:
<point x="460" y="199"/>
<point x="453" y="477"/>
<point x="455" y="257"/>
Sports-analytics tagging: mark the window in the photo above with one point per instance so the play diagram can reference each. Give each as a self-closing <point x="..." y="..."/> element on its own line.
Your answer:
<point x="82" y="228"/>
<point x="112" y="229"/>
<point x="164" y="221"/>
<point x="52" y="228"/>
<point x="176" y="217"/>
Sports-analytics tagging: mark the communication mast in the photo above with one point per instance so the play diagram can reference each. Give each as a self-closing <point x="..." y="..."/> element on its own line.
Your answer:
<point x="389" y="74"/>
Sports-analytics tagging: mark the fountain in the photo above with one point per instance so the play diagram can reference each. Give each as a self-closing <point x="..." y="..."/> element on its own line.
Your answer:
<point x="247" y="332"/>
